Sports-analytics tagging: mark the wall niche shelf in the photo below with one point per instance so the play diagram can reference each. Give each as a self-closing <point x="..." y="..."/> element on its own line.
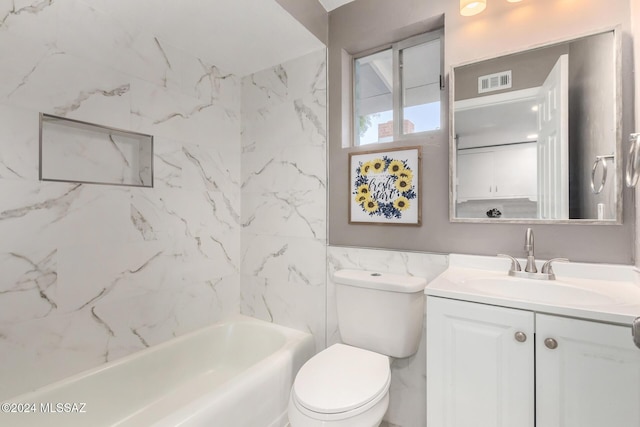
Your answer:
<point x="81" y="152"/>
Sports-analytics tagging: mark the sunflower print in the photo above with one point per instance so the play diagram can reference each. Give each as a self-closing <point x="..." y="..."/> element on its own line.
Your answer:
<point x="364" y="189"/>
<point x="378" y="165"/>
<point x="366" y="168"/>
<point x="403" y="184"/>
<point x="401" y="203"/>
<point x="396" y="167"/>
<point x="406" y="173"/>
<point x="370" y="206"/>
<point x="361" y="198"/>
<point x="392" y="180"/>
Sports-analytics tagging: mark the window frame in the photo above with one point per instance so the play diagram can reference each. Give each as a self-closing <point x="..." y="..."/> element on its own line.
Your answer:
<point x="397" y="89"/>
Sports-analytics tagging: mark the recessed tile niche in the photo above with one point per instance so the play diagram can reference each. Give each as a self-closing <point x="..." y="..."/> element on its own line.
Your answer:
<point x="75" y="151"/>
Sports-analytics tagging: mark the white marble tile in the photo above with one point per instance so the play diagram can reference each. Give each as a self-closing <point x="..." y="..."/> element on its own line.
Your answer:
<point x="427" y="265"/>
<point x="297" y="122"/>
<point x="265" y="88"/>
<point x="284" y="195"/>
<point x="203" y="80"/>
<point x="285" y="303"/>
<point x="50" y="213"/>
<point x="132" y="14"/>
<point x="158" y="111"/>
<point x="308" y="77"/>
<point x="41" y="351"/>
<point x="114" y="44"/>
<point x="65" y="85"/>
<point x="210" y="169"/>
<point x="208" y="218"/>
<point x="296" y="260"/>
<point x="18" y="143"/>
<point x="168" y="163"/>
<point x="407" y="399"/>
<point x="124" y="32"/>
<point x="177" y="308"/>
<point x="288" y="169"/>
<point x="205" y="167"/>
<point x="294" y="79"/>
<point x="88" y="274"/>
<point x="35" y="20"/>
<point x="293" y="214"/>
<point x="21" y="58"/>
<point x="28" y="287"/>
<point x="31" y="211"/>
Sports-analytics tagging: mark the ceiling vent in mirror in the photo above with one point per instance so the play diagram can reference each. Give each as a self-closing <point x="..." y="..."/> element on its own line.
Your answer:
<point x="497" y="81"/>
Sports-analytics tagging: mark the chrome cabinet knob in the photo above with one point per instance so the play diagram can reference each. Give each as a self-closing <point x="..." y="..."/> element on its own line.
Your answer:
<point x="551" y="344"/>
<point x="520" y="336"/>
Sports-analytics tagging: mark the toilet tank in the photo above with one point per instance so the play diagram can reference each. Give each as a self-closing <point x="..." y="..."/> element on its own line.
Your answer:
<point x="380" y="312"/>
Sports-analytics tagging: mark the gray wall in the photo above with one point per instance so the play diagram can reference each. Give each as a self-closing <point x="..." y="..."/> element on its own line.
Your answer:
<point x="365" y="24"/>
<point x="529" y="70"/>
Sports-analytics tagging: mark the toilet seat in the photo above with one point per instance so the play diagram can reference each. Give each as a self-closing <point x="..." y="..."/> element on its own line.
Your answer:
<point x="340" y="382"/>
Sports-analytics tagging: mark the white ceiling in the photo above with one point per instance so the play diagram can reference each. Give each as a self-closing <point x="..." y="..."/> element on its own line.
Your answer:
<point x="329" y="5"/>
<point x="239" y="36"/>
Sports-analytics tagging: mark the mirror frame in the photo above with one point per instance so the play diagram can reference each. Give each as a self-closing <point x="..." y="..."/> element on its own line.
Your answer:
<point x="617" y="46"/>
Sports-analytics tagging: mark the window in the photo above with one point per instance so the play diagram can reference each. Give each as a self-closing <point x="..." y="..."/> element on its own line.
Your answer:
<point x="397" y="90"/>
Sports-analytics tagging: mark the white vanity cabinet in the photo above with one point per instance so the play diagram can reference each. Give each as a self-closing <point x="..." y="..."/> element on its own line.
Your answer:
<point x="489" y="366"/>
<point x="502" y="172"/>
<point x="592" y="377"/>
<point x="478" y="373"/>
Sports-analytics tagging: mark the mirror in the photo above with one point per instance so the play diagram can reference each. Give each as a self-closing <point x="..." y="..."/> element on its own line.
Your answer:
<point x="535" y="135"/>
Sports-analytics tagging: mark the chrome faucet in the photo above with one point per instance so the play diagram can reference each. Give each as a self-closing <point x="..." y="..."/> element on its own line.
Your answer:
<point x="528" y="247"/>
<point x="530" y="271"/>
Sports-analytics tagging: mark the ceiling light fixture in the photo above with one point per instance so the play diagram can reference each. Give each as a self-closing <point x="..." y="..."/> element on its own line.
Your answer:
<point x="472" y="7"/>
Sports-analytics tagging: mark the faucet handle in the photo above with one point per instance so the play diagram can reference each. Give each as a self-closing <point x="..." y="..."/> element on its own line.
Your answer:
<point x="515" y="265"/>
<point x="547" y="268"/>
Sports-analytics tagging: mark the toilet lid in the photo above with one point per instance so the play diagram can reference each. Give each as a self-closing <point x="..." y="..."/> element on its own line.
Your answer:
<point x="341" y="378"/>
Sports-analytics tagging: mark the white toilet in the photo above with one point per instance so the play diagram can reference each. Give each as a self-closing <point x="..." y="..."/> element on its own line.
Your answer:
<point x="379" y="315"/>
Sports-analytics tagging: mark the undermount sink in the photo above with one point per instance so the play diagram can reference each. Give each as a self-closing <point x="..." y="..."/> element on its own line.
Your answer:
<point x="548" y="292"/>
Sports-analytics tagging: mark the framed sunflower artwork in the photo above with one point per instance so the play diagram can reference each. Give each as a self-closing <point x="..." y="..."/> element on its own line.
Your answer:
<point x="384" y="186"/>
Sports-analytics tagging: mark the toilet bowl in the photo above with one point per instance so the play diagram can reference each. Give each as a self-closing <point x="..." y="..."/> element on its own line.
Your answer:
<point x="347" y="385"/>
<point x="342" y="386"/>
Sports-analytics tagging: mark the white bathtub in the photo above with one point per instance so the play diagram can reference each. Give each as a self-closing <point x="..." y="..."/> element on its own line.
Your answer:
<point x="232" y="374"/>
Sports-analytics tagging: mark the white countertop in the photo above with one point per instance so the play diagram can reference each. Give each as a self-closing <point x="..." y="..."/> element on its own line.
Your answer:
<point x="601" y="292"/>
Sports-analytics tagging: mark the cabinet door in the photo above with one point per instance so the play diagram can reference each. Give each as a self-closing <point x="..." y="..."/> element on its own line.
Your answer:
<point x="475" y="176"/>
<point x="478" y="373"/>
<point x="592" y="377"/>
<point x="516" y="171"/>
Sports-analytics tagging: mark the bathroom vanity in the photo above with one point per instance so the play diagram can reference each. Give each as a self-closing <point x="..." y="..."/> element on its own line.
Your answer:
<point x="507" y="351"/>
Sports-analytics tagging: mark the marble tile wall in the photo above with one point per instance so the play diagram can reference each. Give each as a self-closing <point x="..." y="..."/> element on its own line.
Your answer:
<point x="408" y="376"/>
<point x="91" y="273"/>
<point x="284" y="194"/>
